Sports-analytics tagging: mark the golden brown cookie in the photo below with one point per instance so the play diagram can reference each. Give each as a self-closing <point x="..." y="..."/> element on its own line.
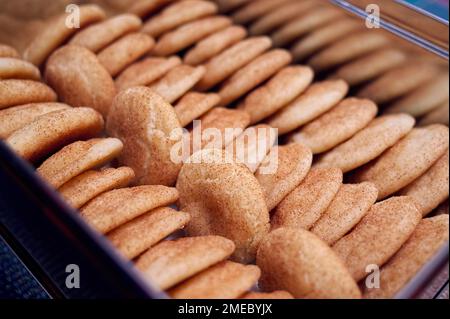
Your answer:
<point x="229" y="61"/>
<point x="399" y="81"/>
<point x="350" y="205"/>
<point x="279" y="91"/>
<point x="323" y="37"/>
<point x="424" y="99"/>
<point x="188" y="34"/>
<point x="254" y="10"/>
<point x="292" y="164"/>
<point x="366" y="145"/>
<point x="430" y="189"/>
<point x="256" y="72"/>
<point x="77" y="158"/>
<point x="193" y="105"/>
<point x="147" y="139"/>
<point x="84" y="187"/>
<point x="146" y="71"/>
<point x="99" y="35"/>
<point x="316" y="100"/>
<point x="430" y="235"/>
<point x="8" y="52"/>
<point x="171" y="262"/>
<point x="56" y="33"/>
<point x="16" y="92"/>
<point x="14" y="118"/>
<point x="297" y="28"/>
<point x="136" y="236"/>
<point x="307" y="203"/>
<point x="251" y="147"/>
<point x="117" y="56"/>
<point x="177" y="14"/>
<point x="143" y="8"/>
<point x="379" y="235"/>
<point x="177" y="82"/>
<point x="280" y="294"/>
<point x="11" y="68"/>
<point x="370" y="66"/>
<point x="117" y="207"/>
<point x="227" y="280"/>
<point x="338" y="125"/>
<point x="439" y="115"/>
<point x="407" y="160"/>
<point x="51" y="131"/>
<point x="214" y="44"/>
<point x="278" y="16"/>
<point x="208" y="191"/>
<point x="345" y="50"/>
<point x="79" y="79"/>
<point x="297" y="261"/>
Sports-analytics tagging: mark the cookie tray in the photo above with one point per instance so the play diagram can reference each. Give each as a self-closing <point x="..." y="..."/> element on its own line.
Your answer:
<point x="48" y="236"/>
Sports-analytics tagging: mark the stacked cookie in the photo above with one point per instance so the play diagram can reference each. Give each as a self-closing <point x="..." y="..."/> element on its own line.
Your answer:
<point x="379" y="67"/>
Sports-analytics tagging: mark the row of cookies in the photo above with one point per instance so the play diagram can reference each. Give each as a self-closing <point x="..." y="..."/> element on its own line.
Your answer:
<point x="336" y="44"/>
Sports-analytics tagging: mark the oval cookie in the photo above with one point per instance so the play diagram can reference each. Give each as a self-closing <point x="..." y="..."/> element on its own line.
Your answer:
<point x="440" y="115"/>
<point x="11" y="68"/>
<point x="193" y="105"/>
<point x="297" y="261"/>
<point x="16" y="92"/>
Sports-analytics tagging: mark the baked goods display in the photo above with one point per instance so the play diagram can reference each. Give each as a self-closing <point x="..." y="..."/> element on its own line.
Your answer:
<point x="352" y="186"/>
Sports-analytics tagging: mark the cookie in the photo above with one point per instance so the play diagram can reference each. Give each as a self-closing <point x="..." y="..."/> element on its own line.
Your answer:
<point x="278" y="16"/>
<point x="299" y="27"/>
<point x="307" y="203"/>
<point x="8" y="52"/>
<point x="188" y="34"/>
<point x="51" y="131"/>
<point x="366" y="145"/>
<point x="293" y="162"/>
<point x="271" y="97"/>
<point x="11" y="68"/>
<point x="147" y="140"/>
<point x="370" y="66"/>
<point x="338" y="125"/>
<point x="429" y="236"/>
<point x="316" y="100"/>
<point x="254" y="10"/>
<point x="253" y="74"/>
<point x="117" y="56"/>
<point x="136" y="236"/>
<point x="80" y="79"/>
<point x="14" y="118"/>
<point x="424" y="99"/>
<point x="178" y="14"/>
<point x="117" y="207"/>
<point x="146" y="71"/>
<point x="171" y="262"/>
<point x="229" y="5"/>
<point x="297" y="261"/>
<point x="351" y="204"/>
<point x="430" y="189"/>
<point x="438" y="116"/>
<point x="398" y="81"/>
<point x="229" y="61"/>
<point x="379" y="235"/>
<point x="84" y="187"/>
<point x="144" y="8"/>
<point x="77" y="158"/>
<point x="348" y="49"/>
<point x="177" y="82"/>
<point x="251" y="147"/>
<point x="223" y="198"/>
<point x="280" y="294"/>
<point x="56" y="32"/>
<point x="100" y="35"/>
<point x="16" y="92"/>
<point x="227" y="280"/>
<point x="323" y="37"/>
<point x="193" y="105"/>
<point x="214" y="44"/>
<point x="406" y="161"/>
<point x="220" y="119"/>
